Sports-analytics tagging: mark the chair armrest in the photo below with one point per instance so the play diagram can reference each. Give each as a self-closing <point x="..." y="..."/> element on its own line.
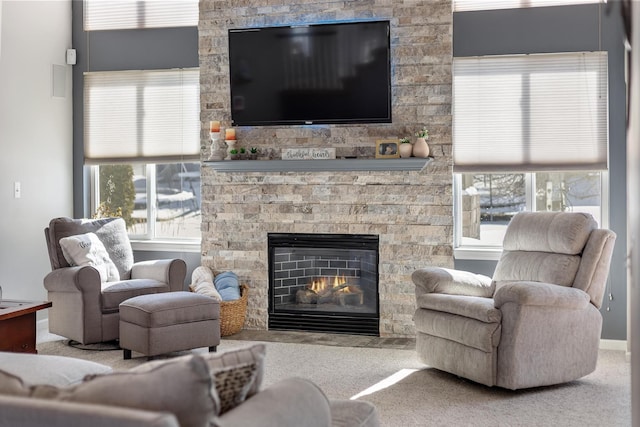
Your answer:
<point x="454" y="282"/>
<point x="171" y="271"/>
<point x="541" y="294"/>
<point x="82" y="279"/>
<point x="291" y="402"/>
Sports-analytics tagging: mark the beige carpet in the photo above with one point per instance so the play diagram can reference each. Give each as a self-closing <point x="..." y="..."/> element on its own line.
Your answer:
<point x="408" y="393"/>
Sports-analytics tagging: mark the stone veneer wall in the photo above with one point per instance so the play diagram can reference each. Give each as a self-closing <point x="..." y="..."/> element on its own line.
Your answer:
<point x="411" y="211"/>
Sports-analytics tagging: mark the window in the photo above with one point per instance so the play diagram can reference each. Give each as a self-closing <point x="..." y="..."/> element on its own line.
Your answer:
<point x="488" y="201"/>
<point x="530" y="133"/>
<point x="467" y="5"/>
<point x="130" y="14"/>
<point x="157" y="201"/>
<point x="141" y="133"/>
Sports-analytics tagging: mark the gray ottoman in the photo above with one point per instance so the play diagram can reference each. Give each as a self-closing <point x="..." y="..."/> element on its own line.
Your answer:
<point x="161" y="323"/>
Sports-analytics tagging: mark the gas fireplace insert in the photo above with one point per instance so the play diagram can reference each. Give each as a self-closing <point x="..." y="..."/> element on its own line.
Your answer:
<point x="324" y="283"/>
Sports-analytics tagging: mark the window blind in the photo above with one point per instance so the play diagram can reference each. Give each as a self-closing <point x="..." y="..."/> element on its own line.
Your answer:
<point x="141" y="115"/>
<point x="129" y="14"/>
<point x="468" y="5"/>
<point x="530" y="112"/>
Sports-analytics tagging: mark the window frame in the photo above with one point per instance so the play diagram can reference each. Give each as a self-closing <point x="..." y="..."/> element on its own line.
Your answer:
<point x="493" y="252"/>
<point x="148" y="241"/>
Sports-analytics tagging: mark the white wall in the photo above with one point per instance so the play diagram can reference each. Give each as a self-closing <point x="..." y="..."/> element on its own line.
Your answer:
<point x="35" y="138"/>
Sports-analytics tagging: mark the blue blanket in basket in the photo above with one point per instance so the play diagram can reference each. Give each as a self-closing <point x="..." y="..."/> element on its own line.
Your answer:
<point x="227" y="285"/>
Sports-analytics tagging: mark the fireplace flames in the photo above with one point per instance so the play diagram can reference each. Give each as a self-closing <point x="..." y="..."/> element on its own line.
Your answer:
<point x="335" y="289"/>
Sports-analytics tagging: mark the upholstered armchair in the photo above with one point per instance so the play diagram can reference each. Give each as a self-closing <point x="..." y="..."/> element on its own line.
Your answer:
<point x="536" y="322"/>
<point x="86" y="296"/>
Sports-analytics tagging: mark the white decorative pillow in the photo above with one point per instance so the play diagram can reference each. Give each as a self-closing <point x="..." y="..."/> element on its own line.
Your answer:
<point x="87" y="249"/>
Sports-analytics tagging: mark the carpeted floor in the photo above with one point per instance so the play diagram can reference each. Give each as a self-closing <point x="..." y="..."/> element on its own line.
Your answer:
<point x="407" y="393"/>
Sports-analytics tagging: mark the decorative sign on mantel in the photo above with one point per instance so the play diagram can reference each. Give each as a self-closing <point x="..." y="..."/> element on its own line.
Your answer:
<point x="308" y="153"/>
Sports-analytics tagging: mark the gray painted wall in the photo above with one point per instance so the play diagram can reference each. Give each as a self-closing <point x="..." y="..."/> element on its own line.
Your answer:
<point x="566" y="29"/>
<point x="35" y="133"/>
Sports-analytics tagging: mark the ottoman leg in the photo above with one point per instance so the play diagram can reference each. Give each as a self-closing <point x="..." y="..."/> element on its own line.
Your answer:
<point x="126" y="354"/>
<point x="213" y="349"/>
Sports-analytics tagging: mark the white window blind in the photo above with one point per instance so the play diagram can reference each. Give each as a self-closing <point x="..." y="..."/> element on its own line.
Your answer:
<point x="129" y="14"/>
<point x="141" y="115"/>
<point x="530" y="112"/>
<point x="468" y="5"/>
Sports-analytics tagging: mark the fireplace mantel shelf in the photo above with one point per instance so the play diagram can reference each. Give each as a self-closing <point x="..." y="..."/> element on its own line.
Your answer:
<point x="412" y="164"/>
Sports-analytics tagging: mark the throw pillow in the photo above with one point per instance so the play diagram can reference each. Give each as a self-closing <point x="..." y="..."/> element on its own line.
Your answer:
<point x="249" y="358"/>
<point x="232" y="384"/>
<point x="87" y="249"/>
<point x="181" y="386"/>
<point x="253" y="354"/>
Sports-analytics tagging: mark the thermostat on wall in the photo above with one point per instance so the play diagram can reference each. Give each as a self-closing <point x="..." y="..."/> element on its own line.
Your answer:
<point x="71" y="57"/>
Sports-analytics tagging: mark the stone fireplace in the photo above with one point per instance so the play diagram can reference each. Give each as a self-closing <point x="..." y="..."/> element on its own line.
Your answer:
<point x="408" y="206"/>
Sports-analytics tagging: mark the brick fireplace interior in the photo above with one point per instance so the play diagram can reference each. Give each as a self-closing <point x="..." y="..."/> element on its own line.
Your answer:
<point x="410" y="211"/>
<point x="324" y="282"/>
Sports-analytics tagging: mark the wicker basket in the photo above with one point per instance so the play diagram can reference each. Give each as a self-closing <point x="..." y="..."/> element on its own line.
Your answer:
<point x="233" y="313"/>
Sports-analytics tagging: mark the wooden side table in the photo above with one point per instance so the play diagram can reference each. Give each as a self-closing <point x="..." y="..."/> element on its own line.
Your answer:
<point x="18" y="325"/>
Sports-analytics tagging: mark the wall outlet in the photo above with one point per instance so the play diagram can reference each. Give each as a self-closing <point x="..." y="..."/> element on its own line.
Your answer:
<point x="17" y="190"/>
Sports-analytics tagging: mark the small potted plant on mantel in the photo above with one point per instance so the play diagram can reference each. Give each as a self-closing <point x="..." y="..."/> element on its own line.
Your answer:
<point x="253" y="153"/>
<point x="405" y="148"/>
<point x="233" y="154"/>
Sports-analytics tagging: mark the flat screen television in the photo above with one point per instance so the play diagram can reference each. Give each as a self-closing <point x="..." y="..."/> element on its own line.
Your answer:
<point x="310" y="74"/>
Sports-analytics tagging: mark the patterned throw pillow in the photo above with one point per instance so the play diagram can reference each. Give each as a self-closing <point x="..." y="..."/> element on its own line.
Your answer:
<point x="253" y="354"/>
<point x="232" y="385"/>
<point x="87" y="249"/>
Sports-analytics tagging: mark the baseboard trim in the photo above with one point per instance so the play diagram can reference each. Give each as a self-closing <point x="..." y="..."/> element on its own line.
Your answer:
<point x="620" y="345"/>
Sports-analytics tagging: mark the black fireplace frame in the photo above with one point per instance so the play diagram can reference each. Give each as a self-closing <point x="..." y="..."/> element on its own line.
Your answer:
<point x="301" y="320"/>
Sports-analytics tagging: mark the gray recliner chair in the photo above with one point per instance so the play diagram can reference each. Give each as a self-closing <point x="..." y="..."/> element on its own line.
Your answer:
<point x="536" y="322"/>
<point x="86" y="308"/>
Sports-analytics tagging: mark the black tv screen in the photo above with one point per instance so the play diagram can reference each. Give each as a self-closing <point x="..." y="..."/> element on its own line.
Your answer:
<point x="311" y="74"/>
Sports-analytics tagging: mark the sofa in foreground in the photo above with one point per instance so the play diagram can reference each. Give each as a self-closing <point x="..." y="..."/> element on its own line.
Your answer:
<point x="196" y="390"/>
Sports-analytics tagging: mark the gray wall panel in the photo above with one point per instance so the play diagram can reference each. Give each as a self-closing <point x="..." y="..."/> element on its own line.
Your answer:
<point x="528" y="30"/>
<point x="147" y="49"/>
